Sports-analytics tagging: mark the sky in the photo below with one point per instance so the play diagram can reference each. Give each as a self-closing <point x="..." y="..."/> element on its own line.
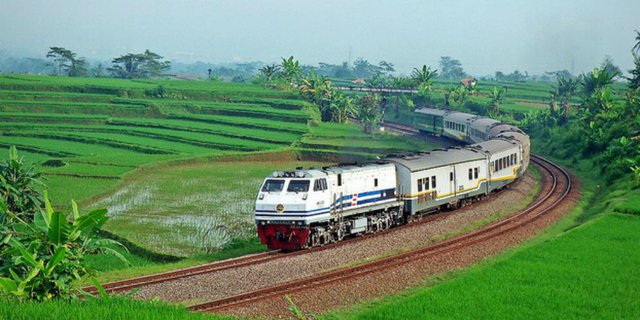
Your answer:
<point x="486" y="36"/>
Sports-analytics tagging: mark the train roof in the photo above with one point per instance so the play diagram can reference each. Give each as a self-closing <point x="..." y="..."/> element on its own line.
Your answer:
<point x="436" y="158"/>
<point x="495" y="145"/>
<point x="483" y="122"/>
<point x="432" y="111"/>
<point x="459" y="117"/>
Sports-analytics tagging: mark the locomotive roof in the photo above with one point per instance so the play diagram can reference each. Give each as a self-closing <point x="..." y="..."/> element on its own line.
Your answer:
<point x="436" y="158"/>
<point x="355" y="167"/>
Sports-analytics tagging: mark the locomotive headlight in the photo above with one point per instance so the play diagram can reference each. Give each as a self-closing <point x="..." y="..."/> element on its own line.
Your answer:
<point x="261" y="196"/>
<point x="304" y="196"/>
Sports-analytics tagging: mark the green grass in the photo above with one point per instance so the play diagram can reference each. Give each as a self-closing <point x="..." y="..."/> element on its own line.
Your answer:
<point x="585" y="273"/>
<point x="115" y="309"/>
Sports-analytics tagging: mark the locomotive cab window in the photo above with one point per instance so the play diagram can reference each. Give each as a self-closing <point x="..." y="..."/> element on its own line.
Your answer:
<point x="273" y="185"/>
<point x="298" y="186"/>
<point x="320" y="185"/>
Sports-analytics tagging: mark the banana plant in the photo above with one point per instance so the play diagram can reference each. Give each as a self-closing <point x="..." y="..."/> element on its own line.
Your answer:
<point x="41" y="259"/>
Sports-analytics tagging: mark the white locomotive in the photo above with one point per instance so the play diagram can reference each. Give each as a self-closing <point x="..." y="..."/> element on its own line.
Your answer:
<point x="303" y="208"/>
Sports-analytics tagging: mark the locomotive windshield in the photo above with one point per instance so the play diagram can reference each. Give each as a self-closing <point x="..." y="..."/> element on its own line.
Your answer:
<point x="298" y="186"/>
<point x="273" y="185"/>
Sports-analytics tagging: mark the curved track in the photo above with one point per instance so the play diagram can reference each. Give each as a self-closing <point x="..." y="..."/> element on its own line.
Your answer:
<point x="248" y="260"/>
<point x="559" y="191"/>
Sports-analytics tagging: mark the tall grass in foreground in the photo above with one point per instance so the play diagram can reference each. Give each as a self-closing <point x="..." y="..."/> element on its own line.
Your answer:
<point x="113" y="309"/>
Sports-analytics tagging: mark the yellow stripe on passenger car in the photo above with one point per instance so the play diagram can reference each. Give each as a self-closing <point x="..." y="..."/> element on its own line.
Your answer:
<point x="513" y="176"/>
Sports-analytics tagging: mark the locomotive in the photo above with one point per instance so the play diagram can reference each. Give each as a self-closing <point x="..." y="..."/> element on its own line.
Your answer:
<point x="298" y="209"/>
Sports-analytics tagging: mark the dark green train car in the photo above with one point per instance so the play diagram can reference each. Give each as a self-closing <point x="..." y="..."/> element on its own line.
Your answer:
<point x="429" y="120"/>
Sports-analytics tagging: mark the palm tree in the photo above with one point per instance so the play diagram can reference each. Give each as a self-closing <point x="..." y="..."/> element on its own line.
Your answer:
<point x="636" y="47"/>
<point x="564" y="90"/>
<point x="423" y="76"/>
<point x="291" y="69"/>
<point x="596" y="80"/>
<point x="342" y="108"/>
<point x="368" y="112"/>
<point x="269" y="71"/>
<point x="497" y="97"/>
<point x="316" y="87"/>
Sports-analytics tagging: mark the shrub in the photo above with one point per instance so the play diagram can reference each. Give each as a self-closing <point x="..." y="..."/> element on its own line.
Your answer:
<point x="18" y="187"/>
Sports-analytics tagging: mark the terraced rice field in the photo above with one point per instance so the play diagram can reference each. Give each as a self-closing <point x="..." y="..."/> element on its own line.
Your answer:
<point x="104" y="128"/>
<point x="96" y="140"/>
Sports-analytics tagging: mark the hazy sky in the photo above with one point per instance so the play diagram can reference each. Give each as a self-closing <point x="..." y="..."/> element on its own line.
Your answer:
<point x="485" y="36"/>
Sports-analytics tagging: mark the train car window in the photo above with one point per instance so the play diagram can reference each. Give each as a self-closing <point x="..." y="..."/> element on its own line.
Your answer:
<point x="324" y="184"/>
<point x="433" y="182"/>
<point x="470" y="174"/>
<point x="298" y="186"/>
<point x="273" y="185"/>
<point x="375" y="182"/>
<point x="475" y="173"/>
<point x="339" y="179"/>
<point x="450" y="176"/>
<point x="426" y="183"/>
<point x="419" y="185"/>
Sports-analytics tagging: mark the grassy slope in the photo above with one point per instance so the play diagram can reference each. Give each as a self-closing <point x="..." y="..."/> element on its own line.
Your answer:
<point x="585" y="273"/>
<point x="566" y="272"/>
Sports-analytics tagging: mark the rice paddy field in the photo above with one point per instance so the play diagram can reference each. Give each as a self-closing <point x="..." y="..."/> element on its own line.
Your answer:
<point x="177" y="163"/>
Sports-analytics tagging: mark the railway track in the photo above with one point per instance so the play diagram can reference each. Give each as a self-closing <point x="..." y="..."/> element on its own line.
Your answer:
<point x="559" y="191"/>
<point x="244" y="261"/>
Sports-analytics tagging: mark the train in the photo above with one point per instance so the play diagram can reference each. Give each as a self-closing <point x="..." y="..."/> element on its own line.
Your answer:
<point x="303" y="208"/>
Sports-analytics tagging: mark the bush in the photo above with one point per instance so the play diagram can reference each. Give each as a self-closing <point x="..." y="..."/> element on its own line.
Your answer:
<point x="18" y="187"/>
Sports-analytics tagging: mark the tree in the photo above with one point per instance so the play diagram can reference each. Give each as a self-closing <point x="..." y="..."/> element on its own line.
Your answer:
<point x="451" y="68"/>
<point x="423" y="76"/>
<point x="67" y="62"/>
<point x="386" y="67"/>
<point x="608" y="65"/>
<point x="139" y="65"/>
<point x="269" y="71"/>
<point x="291" y="70"/>
<point x="563" y="91"/>
<point x="368" y="111"/>
<point x="363" y="69"/>
<point x="342" y="107"/>
<point x="634" y="79"/>
<point x="636" y="47"/>
<point x="596" y="80"/>
<point x="497" y="97"/>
